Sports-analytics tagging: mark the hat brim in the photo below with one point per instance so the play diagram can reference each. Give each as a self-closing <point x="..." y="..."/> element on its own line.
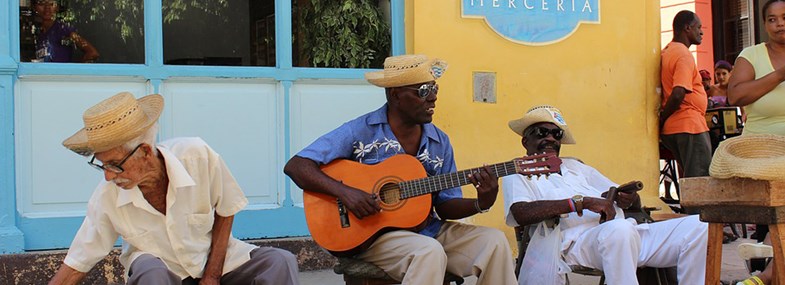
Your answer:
<point x="397" y="78"/>
<point x="79" y="142"/>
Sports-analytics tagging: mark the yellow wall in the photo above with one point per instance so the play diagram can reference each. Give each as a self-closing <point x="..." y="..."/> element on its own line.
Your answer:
<point x="603" y="78"/>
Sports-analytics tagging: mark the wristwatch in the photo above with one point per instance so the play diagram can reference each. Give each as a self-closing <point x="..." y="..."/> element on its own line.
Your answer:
<point x="477" y="207"/>
<point x="578" y="201"/>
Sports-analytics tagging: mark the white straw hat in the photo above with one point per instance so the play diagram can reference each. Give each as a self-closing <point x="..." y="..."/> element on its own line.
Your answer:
<point x="115" y="121"/>
<point x="542" y="114"/>
<point x="405" y="70"/>
<point x="760" y="156"/>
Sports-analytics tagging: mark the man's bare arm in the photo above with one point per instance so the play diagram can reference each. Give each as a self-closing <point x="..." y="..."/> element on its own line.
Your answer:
<point x="67" y="276"/>
<point x="527" y="213"/>
<point x="308" y="176"/>
<point x="222" y="227"/>
<point x="673" y="103"/>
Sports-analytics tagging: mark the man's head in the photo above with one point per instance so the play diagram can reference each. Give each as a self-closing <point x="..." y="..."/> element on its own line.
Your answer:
<point x="410" y="85"/>
<point x="117" y="131"/>
<point x="46" y="9"/>
<point x="542" y="129"/>
<point x="705" y="78"/>
<point x="687" y="28"/>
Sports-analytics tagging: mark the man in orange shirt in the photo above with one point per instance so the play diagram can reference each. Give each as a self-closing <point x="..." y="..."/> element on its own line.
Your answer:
<point x="683" y="126"/>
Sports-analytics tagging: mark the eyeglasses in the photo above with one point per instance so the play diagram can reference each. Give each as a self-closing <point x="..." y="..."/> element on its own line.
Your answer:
<point x="111" y="167"/>
<point x="543" y="132"/>
<point x="426" y="89"/>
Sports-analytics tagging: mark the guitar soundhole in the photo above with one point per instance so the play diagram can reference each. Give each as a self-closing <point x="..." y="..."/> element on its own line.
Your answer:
<point x="390" y="195"/>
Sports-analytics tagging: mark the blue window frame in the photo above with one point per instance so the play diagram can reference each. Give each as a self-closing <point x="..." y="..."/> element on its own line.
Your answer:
<point x="155" y="70"/>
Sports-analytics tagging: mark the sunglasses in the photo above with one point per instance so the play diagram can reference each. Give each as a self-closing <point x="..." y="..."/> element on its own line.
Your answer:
<point x="426" y="89"/>
<point x="543" y="132"/>
<point x="111" y="167"/>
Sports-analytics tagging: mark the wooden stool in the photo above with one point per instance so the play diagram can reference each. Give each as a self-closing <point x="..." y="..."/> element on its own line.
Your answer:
<point x="737" y="200"/>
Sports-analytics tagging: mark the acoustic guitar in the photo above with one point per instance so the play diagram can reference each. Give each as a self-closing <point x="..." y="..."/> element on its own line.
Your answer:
<point x="401" y="184"/>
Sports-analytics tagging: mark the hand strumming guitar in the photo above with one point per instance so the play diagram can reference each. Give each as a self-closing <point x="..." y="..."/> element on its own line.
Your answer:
<point x="360" y="203"/>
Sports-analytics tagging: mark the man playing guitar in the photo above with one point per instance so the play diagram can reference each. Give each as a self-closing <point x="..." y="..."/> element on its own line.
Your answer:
<point x="403" y="126"/>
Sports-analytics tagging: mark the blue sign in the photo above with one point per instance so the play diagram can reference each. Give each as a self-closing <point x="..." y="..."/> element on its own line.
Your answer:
<point x="533" y="22"/>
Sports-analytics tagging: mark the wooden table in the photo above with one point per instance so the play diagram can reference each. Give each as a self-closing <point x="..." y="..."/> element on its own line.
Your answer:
<point x="737" y="200"/>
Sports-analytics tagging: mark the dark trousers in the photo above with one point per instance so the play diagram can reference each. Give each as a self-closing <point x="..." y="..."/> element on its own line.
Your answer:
<point x="693" y="151"/>
<point x="267" y="266"/>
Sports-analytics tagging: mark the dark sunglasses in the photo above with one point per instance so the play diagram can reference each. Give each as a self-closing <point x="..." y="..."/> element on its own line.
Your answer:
<point x="425" y="89"/>
<point x="543" y="132"/>
<point x="111" y="167"/>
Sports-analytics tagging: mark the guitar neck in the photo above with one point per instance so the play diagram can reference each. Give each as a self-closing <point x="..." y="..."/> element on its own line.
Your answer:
<point x="440" y="182"/>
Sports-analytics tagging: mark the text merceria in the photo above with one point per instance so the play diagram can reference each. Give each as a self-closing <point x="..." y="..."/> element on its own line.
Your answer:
<point x="545" y="5"/>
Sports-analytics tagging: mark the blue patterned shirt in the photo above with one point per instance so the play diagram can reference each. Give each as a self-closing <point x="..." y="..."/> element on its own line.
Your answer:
<point x="368" y="139"/>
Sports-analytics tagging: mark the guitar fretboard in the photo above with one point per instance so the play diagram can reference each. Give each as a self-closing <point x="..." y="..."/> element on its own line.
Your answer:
<point x="440" y="182"/>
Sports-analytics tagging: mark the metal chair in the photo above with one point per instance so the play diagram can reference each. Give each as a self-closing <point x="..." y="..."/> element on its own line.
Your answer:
<point x="669" y="175"/>
<point x="358" y="272"/>
<point x="661" y="276"/>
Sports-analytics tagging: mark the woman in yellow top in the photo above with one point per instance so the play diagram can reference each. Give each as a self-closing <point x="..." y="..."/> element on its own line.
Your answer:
<point x="758" y="74"/>
<point x="757" y="85"/>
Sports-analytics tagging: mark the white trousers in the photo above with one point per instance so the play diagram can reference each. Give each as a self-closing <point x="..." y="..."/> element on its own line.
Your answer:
<point x="461" y="249"/>
<point x="618" y="248"/>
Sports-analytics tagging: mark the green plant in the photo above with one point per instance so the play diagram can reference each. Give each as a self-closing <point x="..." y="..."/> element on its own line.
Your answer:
<point x="343" y="33"/>
<point x="126" y="16"/>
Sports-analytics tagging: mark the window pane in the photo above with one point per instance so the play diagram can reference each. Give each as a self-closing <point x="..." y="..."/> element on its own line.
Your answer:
<point x="219" y="32"/>
<point x="350" y="33"/>
<point x="81" y="31"/>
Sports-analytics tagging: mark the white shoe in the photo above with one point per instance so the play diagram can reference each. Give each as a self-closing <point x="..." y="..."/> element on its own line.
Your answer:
<point x="749" y="251"/>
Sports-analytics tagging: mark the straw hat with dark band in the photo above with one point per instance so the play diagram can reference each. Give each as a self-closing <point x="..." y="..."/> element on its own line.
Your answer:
<point x="115" y="121"/>
<point x="759" y="157"/>
<point x="405" y="70"/>
<point x="542" y="114"/>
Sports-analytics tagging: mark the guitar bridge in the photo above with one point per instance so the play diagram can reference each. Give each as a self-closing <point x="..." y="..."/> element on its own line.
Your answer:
<point x="343" y="214"/>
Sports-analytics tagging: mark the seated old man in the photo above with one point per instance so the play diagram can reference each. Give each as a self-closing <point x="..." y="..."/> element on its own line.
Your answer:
<point x="172" y="202"/>
<point x="575" y="196"/>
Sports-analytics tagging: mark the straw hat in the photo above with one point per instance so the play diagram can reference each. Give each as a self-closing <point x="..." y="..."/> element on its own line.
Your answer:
<point x="542" y="114"/>
<point x="115" y="121"/>
<point x="759" y="157"/>
<point x="405" y="70"/>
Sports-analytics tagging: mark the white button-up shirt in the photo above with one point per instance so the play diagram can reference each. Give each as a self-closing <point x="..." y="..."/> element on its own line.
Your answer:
<point x="575" y="178"/>
<point x="200" y="185"/>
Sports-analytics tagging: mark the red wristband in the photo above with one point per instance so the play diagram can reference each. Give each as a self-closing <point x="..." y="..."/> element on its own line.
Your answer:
<point x="572" y="205"/>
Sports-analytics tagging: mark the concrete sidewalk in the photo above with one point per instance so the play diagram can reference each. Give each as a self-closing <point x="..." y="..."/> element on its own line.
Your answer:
<point x="732" y="269"/>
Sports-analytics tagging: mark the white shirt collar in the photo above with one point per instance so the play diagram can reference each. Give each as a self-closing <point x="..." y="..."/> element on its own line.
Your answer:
<point x="178" y="178"/>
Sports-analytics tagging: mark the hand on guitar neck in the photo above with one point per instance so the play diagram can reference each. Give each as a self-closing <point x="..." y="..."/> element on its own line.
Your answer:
<point x="487" y="185"/>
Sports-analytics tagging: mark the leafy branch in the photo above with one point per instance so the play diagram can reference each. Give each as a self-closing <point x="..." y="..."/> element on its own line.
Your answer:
<point x="344" y="33"/>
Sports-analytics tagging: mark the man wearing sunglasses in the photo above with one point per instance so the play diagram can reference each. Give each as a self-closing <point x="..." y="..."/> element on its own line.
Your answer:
<point x="575" y="198"/>
<point x="173" y="203"/>
<point x="403" y="126"/>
